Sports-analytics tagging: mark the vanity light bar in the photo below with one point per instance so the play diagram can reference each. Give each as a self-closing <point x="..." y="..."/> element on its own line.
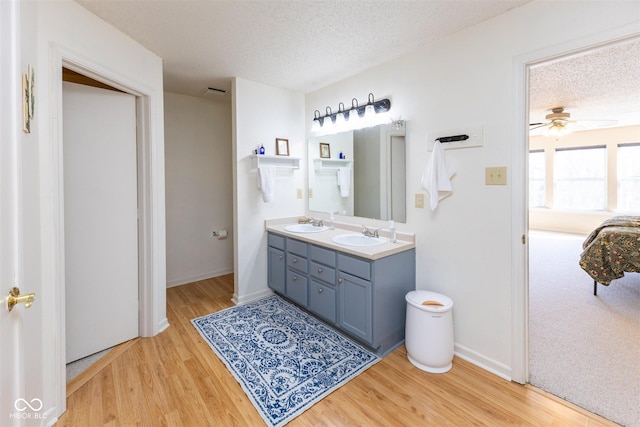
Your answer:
<point x="379" y="106"/>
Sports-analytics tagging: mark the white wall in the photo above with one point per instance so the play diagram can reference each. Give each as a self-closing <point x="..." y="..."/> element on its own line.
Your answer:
<point x="199" y="184"/>
<point x="261" y="114"/>
<point x="464" y="247"/>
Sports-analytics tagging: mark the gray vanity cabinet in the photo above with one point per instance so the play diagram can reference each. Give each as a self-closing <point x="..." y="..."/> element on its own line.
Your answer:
<point x="355" y="306"/>
<point x="371" y="297"/>
<point x="322" y="288"/>
<point x="297" y="288"/>
<point x="277" y="266"/>
<point x="364" y="298"/>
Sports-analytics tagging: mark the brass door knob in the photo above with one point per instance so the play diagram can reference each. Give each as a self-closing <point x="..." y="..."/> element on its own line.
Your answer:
<point x="14" y="298"/>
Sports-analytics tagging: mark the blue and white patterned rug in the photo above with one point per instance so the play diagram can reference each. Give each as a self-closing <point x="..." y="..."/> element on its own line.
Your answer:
<point x="285" y="359"/>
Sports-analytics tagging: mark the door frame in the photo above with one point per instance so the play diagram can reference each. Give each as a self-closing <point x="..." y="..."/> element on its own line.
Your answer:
<point x="151" y="243"/>
<point x="520" y="190"/>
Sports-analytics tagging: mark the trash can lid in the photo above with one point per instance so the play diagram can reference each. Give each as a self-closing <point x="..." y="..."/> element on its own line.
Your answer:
<point x="429" y="301"/>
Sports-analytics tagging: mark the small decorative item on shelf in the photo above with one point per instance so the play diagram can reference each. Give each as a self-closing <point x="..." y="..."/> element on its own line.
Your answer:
<point x="341" y="156"/>
<point x="282" y="147"/>
<point x="261" y="151"/>
<point x="325" y="152"/>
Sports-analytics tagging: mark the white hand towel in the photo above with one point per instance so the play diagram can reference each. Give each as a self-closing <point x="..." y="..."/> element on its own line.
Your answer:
<point x="344" y="181"/>
<point x="267" y="182"/>
<point x="437" y="176"/>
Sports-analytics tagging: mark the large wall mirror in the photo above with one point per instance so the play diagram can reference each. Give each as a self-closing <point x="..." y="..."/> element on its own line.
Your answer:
<point x="359" y="173"/>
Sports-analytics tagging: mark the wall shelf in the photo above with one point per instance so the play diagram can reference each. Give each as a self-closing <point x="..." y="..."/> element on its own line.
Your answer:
<point x="324" y="164"/>
<point x="277" y="161"/>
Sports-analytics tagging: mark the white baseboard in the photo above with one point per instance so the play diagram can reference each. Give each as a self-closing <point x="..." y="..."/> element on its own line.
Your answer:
<point x="251" y="297"/>
<point x="164" y="324"/>
<point x="493" y="366"/>
<point x="198" y="277"/>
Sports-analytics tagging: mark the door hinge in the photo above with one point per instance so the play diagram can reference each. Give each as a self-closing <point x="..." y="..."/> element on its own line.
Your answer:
<point x="523" y="239"/>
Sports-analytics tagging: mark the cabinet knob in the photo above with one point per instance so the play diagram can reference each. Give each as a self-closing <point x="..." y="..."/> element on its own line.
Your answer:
<point x="319" y="290"/>
<point x="295" y="278"/>
<point x="281" y="257"/>
<point x="295" y="260"/>
<point x="319" y="270"/>
<point x="339" y="280"/>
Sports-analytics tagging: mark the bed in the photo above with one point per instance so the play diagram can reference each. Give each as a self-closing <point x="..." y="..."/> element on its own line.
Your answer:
<point x="612" y="249"/>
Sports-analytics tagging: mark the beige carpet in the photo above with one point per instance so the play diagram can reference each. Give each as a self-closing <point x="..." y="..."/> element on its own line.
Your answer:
<point x="583" y="348"/>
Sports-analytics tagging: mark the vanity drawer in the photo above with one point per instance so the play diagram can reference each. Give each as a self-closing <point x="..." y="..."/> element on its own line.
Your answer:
<point x="323" y="272"/>
<point x="297" y="262"/>
<point x="322" y="300"/>
<point x="296" y="247"/>
<point x="356" y="266"/>
<point x="275" y="241"/>
<point x="322" y="255"/>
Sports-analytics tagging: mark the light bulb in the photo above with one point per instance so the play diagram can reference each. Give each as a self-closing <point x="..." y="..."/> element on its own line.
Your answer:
<point x="327" y="124"/>
<point x="354" y="119"/>
<point x="340" y="122"/>
<point x="369" y="115"/>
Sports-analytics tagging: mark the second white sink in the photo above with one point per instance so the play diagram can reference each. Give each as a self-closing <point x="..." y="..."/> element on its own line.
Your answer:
<point x="358" y="240"/>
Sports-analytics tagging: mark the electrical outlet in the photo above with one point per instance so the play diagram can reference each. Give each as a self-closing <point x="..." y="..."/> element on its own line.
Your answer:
<point x="299" y="193"/>
<point x="419" y="200"/>
<point x="495" y="176"/>
<point x="310" y="193"/>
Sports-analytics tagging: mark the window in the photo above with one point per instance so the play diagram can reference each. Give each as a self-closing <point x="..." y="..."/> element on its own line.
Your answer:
<point x="580" y="178"/>
<point x="537" y="173"/>
<point x="629" y="177"/>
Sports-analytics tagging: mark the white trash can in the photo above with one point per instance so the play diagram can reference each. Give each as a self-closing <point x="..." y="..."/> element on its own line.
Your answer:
<point x="429" y="331"/>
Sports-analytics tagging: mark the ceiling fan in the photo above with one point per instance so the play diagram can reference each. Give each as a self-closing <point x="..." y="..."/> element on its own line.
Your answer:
<point x="560" y="123"/>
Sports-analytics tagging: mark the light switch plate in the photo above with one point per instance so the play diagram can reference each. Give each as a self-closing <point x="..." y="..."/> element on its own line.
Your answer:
<point x="419" y="201"/>
<point x="495" y="176"/>
<point x="299" y="193"/>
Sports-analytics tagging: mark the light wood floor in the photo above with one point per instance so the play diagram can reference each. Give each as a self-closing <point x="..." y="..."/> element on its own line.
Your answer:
<point x="175" y="379"/>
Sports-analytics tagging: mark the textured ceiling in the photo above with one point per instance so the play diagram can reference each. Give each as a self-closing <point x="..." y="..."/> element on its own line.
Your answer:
<point x="301" y="45"/>
<point x="602" y="84"/>
<point x="304" y="45"/>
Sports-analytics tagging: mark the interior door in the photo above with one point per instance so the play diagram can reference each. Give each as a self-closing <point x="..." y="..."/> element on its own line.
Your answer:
<point x="12" y="355"/>
<point x="101" y="220"/>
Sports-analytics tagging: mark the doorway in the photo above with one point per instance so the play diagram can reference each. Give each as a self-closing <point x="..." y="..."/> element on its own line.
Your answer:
<point x="100" y="216"/>
<point x="574" y="380"/>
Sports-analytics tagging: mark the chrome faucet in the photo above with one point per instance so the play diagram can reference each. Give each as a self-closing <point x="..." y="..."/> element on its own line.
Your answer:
<point x="369" y="232"/>
<point x="314" y="222"/>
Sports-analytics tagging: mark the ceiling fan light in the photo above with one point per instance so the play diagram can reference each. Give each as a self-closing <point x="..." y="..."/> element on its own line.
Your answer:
<point x="557" y="130"/>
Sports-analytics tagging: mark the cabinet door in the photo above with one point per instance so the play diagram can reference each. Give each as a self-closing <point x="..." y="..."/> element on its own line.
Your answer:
<point x="277" y="268"/>
<point x="355" y="306"/>
<point x="297" y="287"/>
<point x="322" y="300"/>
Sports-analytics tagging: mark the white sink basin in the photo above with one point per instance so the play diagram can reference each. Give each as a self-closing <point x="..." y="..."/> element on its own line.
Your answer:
<point x="358" y="240"/>
<point x="304" y="228"/>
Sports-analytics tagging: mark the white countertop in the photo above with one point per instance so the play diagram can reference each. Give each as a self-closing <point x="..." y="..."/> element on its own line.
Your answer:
<point x="405" y="241"/>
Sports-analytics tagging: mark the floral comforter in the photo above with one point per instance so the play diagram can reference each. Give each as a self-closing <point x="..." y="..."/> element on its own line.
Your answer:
<point x="612" y="248"/>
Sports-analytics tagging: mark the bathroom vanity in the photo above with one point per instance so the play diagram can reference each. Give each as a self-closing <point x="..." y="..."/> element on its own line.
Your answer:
<point x="359" y="290"/>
